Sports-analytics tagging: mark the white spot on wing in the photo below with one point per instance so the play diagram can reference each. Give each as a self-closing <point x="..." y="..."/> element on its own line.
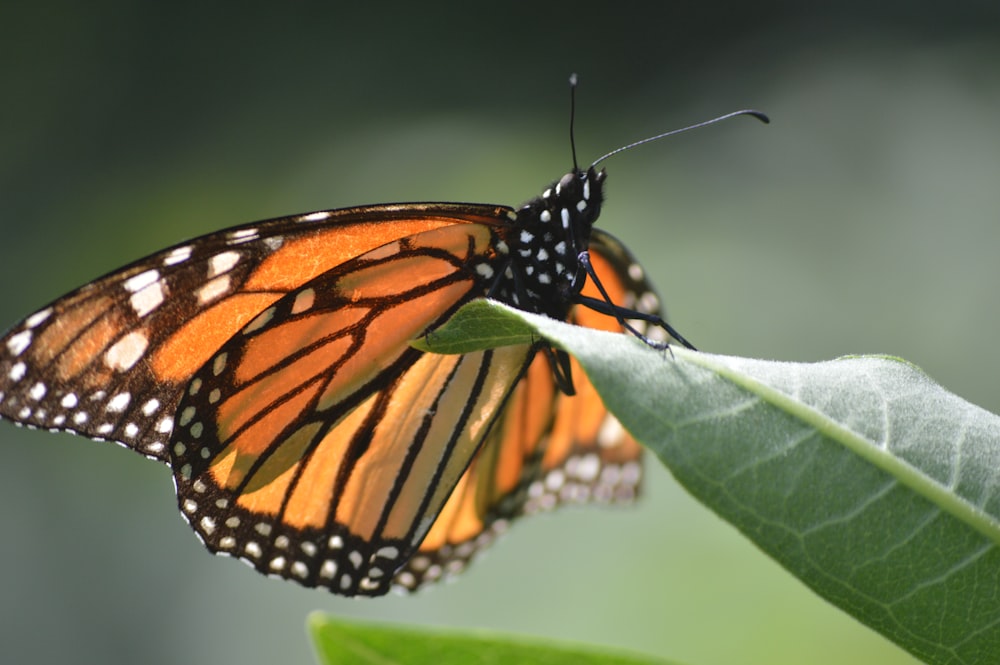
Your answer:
<point x="142" y="280"/>
<point x="186" y="415"/>
<point x="36" y="318"/>
<point x="118" y="403"/>
<point x="214" y="289"/>
<point x="304" y="300"/>
<point x="587" y="468"/>
<point x="260" y="321"/>
<point x="37" y="391"/>
<point x="315" y="216"/>
<point x="219" y="363"/>
<point x="419" y="563"/>
<point x="631" y="473"/>
<point x="147" y="299"/>
<point x="648" y="303"/>
<point x="178" y="255"/>
<point x="207" y="525"/>
<point x="243" y="235"/>
<point x="611" y="433"/>
<point x="222" y="263"/>
<point x="19" y="342"/>
<point x="126" y="352"/>
<point x="388" y="552"/>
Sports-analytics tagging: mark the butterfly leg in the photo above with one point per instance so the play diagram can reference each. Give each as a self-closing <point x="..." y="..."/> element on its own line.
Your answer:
<point x="605" y="306"/>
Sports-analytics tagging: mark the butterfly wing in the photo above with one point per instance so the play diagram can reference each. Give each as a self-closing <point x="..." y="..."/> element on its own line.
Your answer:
<point x="111" y="360"/>
<point x="316" y="443"/>
<point x="269" y="365"/>
<point x="548" y="448"/>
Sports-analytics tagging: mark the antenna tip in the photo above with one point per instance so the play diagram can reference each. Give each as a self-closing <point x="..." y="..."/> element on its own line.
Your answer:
<point x="760" y="116"/>
<point x="572" y="80"/>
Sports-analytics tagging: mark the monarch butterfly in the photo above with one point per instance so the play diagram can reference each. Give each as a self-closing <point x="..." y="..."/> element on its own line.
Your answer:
<point x="269" y="366"/>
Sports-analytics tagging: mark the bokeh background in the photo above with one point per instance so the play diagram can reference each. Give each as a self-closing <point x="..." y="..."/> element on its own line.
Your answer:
<point x="865" y="219"/>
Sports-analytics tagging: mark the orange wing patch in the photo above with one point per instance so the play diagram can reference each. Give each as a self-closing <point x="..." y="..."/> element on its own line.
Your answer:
<point x="319" y="417"/>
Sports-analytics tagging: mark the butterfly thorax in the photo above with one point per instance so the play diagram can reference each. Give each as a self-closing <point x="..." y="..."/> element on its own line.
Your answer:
<point x="542" y="272"/>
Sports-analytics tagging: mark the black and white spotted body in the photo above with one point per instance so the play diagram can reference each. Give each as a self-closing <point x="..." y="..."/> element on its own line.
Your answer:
<point x="543" y="273"/>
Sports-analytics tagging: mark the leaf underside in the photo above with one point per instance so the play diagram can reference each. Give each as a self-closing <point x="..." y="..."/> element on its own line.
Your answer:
<point x="861" y="476"/>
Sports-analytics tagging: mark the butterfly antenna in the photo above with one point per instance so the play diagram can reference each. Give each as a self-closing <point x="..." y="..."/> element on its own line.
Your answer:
<point x="756" y="114"/>
<point x="572" y="117"/>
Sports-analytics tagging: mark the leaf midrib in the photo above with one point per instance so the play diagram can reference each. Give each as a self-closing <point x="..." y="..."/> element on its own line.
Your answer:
<point x="906" y="474"/>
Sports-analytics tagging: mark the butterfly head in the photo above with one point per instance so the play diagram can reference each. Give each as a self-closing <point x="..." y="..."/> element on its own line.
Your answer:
<point x="574" y="201"/>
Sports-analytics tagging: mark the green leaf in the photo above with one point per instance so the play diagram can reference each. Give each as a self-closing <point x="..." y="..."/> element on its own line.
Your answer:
<point x="476" y="327"/>
<point x="861" y="476"/>
<point x="341" y="642"/>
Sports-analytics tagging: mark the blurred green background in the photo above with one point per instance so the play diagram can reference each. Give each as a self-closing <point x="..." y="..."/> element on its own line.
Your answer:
<point x="865" y="219"/>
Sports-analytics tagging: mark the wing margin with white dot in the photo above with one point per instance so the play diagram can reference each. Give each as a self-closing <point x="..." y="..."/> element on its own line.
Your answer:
<point x="110" y="360"/>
